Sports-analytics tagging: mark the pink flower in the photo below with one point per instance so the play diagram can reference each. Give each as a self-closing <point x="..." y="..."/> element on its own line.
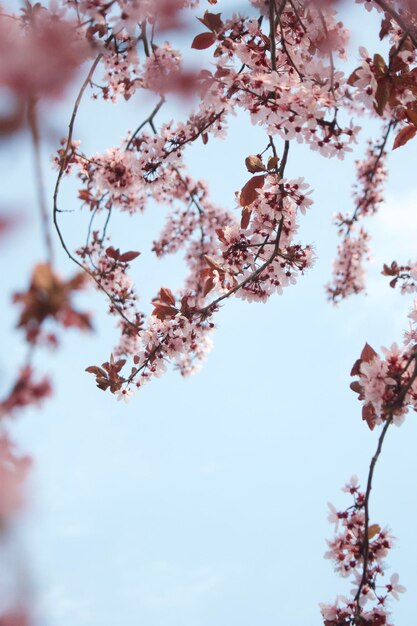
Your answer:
<point x="124" y="394"/>
<point x="394" y="588"/>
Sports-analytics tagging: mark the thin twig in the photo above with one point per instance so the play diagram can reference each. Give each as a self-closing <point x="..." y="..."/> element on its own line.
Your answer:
<point x="148" y="120"/>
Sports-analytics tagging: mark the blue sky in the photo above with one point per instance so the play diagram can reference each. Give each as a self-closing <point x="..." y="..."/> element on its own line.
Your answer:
<point x="203" y="501"/>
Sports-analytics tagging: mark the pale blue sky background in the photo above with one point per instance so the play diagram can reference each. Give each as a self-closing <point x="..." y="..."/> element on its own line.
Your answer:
<point x="203" y="501"/>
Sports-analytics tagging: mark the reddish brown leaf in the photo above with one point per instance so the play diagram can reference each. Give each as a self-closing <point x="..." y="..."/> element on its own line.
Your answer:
<point x="390" y="270"/>
<point x="113" y="253"/>
<point x="203" y="41"/>
<point x="404" y="135"/>
<point x="213" y="263"/>
<point x="222" y="72"/>
<point x="272" y="162"/>
<point x="382" y="95"/>
<point x="119" y="364"/>
<point x="369" y="416"/>
<point x="97" y="371"/>
<point x="356" y="387"/>
<point x="249" y="192"/>
<point x="385" y="28"/>
<point x="412" y="116"/>
<point x="207" y="279"/>
<point x="208" y="286"/>
<point x="163" y="311"/>
<point x="353" y="77"/>
<point x="220" y="234"/>
<point x="246" y="214"/>
<point x="128" y="256"/>
<point x="355" y="371"/>
<point x="84" y="194"/>
<point x="166" y="296"/>
<point x="380" y="65"/>
<point x="368" y="353"/>
<point x="213" y="21"/>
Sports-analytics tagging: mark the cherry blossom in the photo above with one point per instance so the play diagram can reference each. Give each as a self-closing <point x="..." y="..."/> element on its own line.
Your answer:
<point x="359" y="551"/>
<point x="281" y="65"/>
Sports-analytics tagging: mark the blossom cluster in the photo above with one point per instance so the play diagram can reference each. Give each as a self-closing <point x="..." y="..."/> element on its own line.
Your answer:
<point x="348" y="266"/>
<point x="294" y="92"/>
<point x="348" y="272"/>
<point x="253" y="260"/>
<point x="358" y="550"/>
<point x="387" y="383"/>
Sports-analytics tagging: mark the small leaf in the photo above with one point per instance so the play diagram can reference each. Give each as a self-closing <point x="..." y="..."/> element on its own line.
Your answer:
<point x="356" y="369"/>
<point x="162" y="311"/>
<point x="412" y="116"/>
<point x="245" y="219"/>
<point x="373" y="529"/>
<point x="272" y="162"/>
<point x="203" y="41"/>
<point x="166" y="296"/>
<point x="249" y="192"/>
<point x="382" y="95"/>
<point x="112" y="253"/>
<point x="380" y="64"/>
<point x="385" y="28"/>
<point x="390" y="270"/>
<point x="119" y="364"/>
<point x="353" y="77"/>
<point x="404" y="135"/>
<point x="128" y="256"/>
<point x="368" y="353"/>
<point x="84" y="194"/>
<point x="369" y="415"/>
<point x="254" y="164"/>
<point x="220" y="234"/>
<point x="213" y="263"/>
<point x="207" y="278"/>
<point x="213" y="21"/>
<point x="97" y="371"/>
<point x="356" y="387"/>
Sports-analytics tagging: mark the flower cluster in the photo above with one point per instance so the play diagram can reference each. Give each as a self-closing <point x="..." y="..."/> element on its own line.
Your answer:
<point x="387" y="385"/>
<point x="358" y="550"/>
<point x="176" y="332"/>
<point x="252" y="260"/>
<point x="348" y="271"/>
<point x="293" y="92"/>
